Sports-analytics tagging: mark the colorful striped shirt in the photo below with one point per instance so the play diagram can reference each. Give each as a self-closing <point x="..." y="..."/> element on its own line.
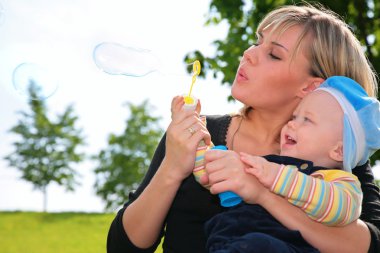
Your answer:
<point x="331" y="197"/>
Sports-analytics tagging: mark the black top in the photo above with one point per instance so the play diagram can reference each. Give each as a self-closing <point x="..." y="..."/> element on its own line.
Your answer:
<point x="194" y="205"/>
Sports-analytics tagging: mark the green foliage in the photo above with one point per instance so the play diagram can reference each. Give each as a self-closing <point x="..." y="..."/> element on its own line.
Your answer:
<point x="46" y="150"/>
<point x="126" y="159"/>
<point x="243" y="17"/>
<point x="375" y="157"/>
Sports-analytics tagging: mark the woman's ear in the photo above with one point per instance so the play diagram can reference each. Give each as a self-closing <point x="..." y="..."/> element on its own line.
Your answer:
<point x="310" y="85"/>
<point x="336" y="153"/>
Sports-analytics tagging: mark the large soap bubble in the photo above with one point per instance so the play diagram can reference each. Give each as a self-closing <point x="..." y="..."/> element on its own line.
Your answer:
<point x="116" y="59"/>
<point x="34" y="81"/>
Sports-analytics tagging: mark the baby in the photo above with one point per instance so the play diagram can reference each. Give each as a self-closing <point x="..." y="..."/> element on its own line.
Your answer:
<point x="334" y="129"/>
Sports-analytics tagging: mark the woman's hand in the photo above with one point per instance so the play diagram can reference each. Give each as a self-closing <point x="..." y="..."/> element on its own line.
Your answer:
<point x="182" y="138"/>
<point x="226" y="172"/>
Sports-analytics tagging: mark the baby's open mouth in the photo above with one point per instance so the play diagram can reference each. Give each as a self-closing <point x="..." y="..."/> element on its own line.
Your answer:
<point x="290" y="140"/>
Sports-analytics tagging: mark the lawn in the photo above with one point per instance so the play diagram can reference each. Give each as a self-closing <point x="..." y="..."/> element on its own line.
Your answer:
<point x="33" y="232"/>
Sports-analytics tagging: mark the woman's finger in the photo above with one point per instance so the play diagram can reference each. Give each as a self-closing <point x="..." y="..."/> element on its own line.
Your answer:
<point x="214" y="154"/>
<point x="252" y="161"/>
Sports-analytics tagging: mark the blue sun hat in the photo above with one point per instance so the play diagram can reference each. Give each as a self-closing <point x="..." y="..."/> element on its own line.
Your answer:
<point x="361" y="126"/>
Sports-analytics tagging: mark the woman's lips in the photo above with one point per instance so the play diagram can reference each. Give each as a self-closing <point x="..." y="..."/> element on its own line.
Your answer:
<point x="241" y="76"/>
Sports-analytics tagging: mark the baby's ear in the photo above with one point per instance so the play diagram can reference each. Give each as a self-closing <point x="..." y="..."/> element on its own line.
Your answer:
<point x="336" y="153"/>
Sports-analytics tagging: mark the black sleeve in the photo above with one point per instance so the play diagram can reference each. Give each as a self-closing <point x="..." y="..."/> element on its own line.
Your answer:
<point x="117" y="239"/>
<point x="371" y="204"/>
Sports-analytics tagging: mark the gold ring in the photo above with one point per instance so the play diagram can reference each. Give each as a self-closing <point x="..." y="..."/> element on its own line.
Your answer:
<point x="191" y="130"/>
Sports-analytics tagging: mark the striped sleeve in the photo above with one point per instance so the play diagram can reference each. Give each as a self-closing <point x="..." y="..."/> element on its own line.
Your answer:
<point x="331" y="197"/>
<point x="198" y="170"/>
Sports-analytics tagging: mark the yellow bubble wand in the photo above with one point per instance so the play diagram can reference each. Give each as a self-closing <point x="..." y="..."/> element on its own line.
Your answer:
<point x="196" y="71"/>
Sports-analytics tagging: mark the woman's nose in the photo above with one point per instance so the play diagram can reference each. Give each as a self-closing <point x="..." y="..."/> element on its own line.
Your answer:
<point x="250" y="55"/>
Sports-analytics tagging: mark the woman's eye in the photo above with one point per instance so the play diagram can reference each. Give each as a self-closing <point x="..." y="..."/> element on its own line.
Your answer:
<point x="274" y="57"/>
<point x="306" y="119"/>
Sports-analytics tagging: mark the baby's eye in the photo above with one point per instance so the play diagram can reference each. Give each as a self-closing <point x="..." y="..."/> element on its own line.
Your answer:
<point x="306" y="119"/>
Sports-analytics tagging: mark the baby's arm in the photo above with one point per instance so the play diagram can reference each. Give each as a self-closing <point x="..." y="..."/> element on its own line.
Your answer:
<point x="332" y="197"/>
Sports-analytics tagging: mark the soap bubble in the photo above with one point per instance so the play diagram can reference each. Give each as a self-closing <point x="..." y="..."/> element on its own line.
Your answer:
<point x="116" y="59"/>
<point x="34" y="81"/>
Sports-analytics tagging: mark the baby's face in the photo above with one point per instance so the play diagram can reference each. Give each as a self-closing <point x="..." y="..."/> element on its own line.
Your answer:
<point x="316" y="127"/>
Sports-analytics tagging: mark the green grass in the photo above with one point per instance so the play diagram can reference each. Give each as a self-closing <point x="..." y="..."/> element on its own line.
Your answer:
<point x="53" y="232"/>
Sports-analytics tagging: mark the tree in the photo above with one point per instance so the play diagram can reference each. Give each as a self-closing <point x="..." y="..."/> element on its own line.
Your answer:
<point x="126" y="159"/>
<point x="46" y="150"/>
<point x="243" y="17"/>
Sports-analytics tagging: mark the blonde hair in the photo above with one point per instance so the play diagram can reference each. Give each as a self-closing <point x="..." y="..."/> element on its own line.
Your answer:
<point x="333" y="49"/>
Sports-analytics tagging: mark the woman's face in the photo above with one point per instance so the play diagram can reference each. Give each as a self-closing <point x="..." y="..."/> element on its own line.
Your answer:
<point x="268" y="77"/>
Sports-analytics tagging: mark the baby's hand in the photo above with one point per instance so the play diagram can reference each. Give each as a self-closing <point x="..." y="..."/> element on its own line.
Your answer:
<point x="263" y="170"/>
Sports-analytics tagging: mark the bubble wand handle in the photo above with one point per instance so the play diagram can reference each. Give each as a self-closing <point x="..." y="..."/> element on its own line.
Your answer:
<point x="196" y="72"/>
<point x="193" y="79"/>
<point x="190" y="101"/>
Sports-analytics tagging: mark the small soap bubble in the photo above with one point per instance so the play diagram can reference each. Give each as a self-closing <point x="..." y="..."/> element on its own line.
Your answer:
<point x="117" y="59"/>
<point x="34" y="81"/>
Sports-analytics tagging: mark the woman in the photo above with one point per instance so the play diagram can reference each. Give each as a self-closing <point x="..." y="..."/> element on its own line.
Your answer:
<point x="298" y="47"/>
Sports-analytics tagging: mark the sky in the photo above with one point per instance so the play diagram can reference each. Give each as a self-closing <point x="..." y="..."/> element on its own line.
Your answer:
<point x="61" y="36"/>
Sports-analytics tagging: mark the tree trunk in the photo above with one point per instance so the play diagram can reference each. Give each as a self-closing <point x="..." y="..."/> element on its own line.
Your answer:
<point x="44" y="191"/>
